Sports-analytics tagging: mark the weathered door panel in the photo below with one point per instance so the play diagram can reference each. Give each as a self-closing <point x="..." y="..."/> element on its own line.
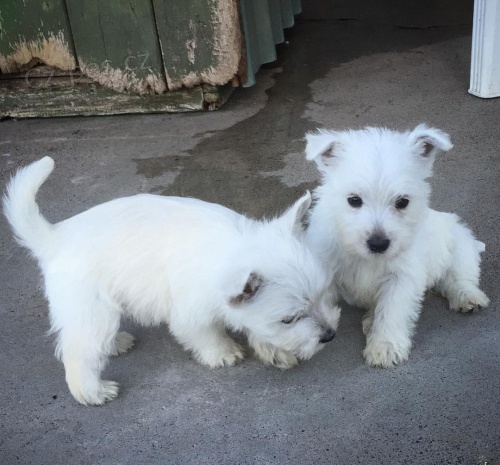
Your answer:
<point x="33" y="32"/>
<point x="136" y="47"/>
<point x="200" y="41"/>
<point x="117" y="44"/>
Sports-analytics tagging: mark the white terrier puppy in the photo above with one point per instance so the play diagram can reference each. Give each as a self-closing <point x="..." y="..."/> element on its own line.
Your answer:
<point x="372" y="225"/>
<point x="200" y="267"/>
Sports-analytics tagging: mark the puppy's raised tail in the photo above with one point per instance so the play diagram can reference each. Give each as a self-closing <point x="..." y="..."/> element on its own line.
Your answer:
<point x="31" y="229"/>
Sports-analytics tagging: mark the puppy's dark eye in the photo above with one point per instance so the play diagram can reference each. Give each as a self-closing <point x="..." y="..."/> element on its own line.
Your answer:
<point x="355" y="201"/>
<point x="402" y="203"/>
<point x="292" y="319"/>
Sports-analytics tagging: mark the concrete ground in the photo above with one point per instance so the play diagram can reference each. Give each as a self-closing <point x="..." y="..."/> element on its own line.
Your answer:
<point x="441" y="407"/>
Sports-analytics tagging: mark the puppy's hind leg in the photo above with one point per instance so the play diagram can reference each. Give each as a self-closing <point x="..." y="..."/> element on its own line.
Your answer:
<point x="460" y="283"/>
<point x="86" y="327"/>
<point x="122" y="344"/>
<point x="367" y="322"/>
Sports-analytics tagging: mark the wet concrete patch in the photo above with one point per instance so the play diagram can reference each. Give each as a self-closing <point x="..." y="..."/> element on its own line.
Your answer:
<point x="155" y="167"/>
<point x="255" y="166"/>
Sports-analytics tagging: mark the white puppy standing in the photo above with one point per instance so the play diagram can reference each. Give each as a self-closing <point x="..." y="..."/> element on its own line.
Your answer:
<point x="198" y="266"/>
<point x="373" y="226"/>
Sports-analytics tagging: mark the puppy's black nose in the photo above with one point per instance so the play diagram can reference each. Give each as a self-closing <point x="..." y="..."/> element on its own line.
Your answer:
<point x="378" y="243"/>
<point x="328" y="336"/>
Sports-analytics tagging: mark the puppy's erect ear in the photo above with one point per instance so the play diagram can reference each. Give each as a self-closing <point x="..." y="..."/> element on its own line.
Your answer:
<point x="430" y="141"/>
<point x="292" y="218"/>
<point x="321" y="147"/>
<point x="252" y="285"/>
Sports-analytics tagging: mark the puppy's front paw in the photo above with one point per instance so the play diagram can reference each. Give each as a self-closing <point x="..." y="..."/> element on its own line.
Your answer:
<point x="383" y="353"/>
<point x="123" y="343"/>
<point x="227" y="354"/>
<point x="470" y="301"/>
<point x="271" y="355"/>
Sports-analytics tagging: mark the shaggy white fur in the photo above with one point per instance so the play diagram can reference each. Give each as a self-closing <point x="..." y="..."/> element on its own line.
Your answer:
<point x="373" y="227"/>
<point x="200" y="267"/>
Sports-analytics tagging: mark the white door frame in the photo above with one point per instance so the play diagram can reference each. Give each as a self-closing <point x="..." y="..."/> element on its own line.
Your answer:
<point x="485" y="55"/>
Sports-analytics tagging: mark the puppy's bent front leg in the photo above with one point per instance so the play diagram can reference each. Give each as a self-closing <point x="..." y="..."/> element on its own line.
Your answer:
<point x="388" y="342"/>
<point x="209" y="343"/>
<point x="271" y="355"/>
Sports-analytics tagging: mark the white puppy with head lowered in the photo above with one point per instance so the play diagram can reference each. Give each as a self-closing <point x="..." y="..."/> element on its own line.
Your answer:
<point x="373" y="226"/>
<point x="197" y="266"/>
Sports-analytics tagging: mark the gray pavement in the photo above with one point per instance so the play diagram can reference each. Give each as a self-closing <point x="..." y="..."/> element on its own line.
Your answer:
<point x="441" y="407"/>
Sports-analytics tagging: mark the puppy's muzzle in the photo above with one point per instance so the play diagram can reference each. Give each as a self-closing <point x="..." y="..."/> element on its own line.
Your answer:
<point x="378" y="243"/>
<point x="327" y="336"/>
